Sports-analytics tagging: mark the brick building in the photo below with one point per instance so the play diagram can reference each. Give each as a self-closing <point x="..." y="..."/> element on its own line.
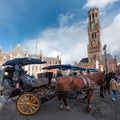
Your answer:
<point x="95" y="57"/>
<point x="33" y="69"/>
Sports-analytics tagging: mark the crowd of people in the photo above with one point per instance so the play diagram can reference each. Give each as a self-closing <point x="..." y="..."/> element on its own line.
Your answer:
<point x="111" y="84"/>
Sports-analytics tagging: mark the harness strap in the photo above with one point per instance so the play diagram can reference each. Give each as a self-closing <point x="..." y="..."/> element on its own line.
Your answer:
<point x="92" y="78"/>
<point x="86" y="80"/>
<point x="70" y="79"/>
<point x="93" y="85"/>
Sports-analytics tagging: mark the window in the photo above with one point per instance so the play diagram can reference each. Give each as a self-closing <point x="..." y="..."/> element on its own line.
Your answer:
<point x="92" y="35"/>
<point x="96" y="14"/>
<point x="36" y="68"/>
<point x="40" y="68"/>
<point x="90" y="27"/>
<point x="95" y="34"/>
<point x="33" y="68"/>
<point x="93" y="15"/>
<point x="90" y="18"/>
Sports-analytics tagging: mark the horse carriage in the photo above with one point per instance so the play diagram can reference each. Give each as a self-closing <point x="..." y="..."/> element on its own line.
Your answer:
<point x="30" y="99"/>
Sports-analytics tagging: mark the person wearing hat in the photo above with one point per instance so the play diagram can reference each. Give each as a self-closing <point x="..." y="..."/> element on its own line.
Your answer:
<point x="18" y="67"/>
<point x="18" y="71"/>
<point x="21" y="76"/>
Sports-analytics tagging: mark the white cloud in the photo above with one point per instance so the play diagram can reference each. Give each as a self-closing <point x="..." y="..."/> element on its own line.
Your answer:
<point x="70" y="40"/>
<point x="65" y="19"/>
<point x="98" y="3"/>
<point x="67" y="41"/>
<point x="111" y="36"/>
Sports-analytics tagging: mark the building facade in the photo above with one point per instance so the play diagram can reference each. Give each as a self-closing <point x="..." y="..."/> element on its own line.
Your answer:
<point x="33" y="69"/>
<point x="95" y="57"/>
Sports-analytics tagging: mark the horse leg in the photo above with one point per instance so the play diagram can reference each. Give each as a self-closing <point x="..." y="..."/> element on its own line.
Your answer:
<point x="89" y="95"/>
<point x="105" y="89"/>
<point x="84" y="99"/>
<point x="101" y="91"/>
<point x="108" y="89"/>
<point x="64" y="97"/>
<point x="61" y="107"/>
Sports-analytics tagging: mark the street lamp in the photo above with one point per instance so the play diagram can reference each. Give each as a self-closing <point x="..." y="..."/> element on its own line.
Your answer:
<point x="104" y="48"/>
<point x="29" y="59"/>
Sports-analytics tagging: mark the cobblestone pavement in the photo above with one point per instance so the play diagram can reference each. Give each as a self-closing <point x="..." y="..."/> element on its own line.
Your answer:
<point x="102" y="109"/>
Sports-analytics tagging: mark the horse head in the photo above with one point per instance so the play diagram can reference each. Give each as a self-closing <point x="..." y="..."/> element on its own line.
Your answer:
<point x="99" y="77"/>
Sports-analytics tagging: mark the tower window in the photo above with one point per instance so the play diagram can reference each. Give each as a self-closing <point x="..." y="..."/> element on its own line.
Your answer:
<point x="92" y="35"/>
<point x="93" y="15"/>
<point x="95" y="34"/>
<point x="90" y="18"/>
<point x="96" y="14"/>
<point x="90" y="27"/>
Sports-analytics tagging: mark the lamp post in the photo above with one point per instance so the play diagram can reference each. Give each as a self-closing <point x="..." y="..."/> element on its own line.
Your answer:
<point x="104" y="48"/>
<point x="29" y="63"/>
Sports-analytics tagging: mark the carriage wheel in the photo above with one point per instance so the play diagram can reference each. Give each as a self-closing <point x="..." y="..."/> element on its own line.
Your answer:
<point x="28" y="104"/>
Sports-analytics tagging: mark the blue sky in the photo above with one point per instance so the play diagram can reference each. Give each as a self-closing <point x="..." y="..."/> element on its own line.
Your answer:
<point x="58" y="26"/>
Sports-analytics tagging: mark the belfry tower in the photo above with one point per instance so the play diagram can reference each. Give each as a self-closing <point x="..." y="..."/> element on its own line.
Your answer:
<point x="94" y="45"/>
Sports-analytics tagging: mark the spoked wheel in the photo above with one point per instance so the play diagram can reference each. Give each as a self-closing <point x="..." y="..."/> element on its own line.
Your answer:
<point x="28" y="104"/>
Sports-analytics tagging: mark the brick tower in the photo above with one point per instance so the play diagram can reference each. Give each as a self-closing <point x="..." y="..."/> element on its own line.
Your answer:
<point x="94" y="44"/>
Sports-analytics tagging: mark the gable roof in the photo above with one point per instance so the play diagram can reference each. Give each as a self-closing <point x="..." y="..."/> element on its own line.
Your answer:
<point x="84" y="60"/>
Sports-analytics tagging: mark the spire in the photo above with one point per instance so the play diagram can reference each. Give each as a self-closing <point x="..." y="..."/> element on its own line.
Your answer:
<point x="10" y="48"/>
<point x="26" y="52"/>
<point x="58" y="57"/>
<point x="60" y="61"/>
<point x="41" y="54"/>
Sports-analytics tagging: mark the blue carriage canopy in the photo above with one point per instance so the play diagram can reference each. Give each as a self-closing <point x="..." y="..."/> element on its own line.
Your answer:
<point x="25" y="61"/>
<point x="68" y="66"/>
<point x="92" y="70"/>
<point x="63" y="67"/>
<point x="57" y="66"/>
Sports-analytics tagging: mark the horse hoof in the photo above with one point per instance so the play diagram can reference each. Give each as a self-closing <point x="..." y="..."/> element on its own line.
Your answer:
<point x="67" y="108"/>
<point x="61" y="107"/>
<point x="88" y="109"/>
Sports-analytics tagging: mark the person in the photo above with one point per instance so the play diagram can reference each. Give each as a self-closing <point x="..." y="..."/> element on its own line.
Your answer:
<point x="114" y="87"/>
<point x="81" y="73"/>
<point x="18" y="67"/>
<point x="50" y="74"/>
<point x="20" y="75"/>
<point x="88" y="71"/>
<point x="59" y="74"/>
<point x="18" y="70"/>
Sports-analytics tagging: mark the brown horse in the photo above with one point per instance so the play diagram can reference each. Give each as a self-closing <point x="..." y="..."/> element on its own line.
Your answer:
<point x="88" y="83"/>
